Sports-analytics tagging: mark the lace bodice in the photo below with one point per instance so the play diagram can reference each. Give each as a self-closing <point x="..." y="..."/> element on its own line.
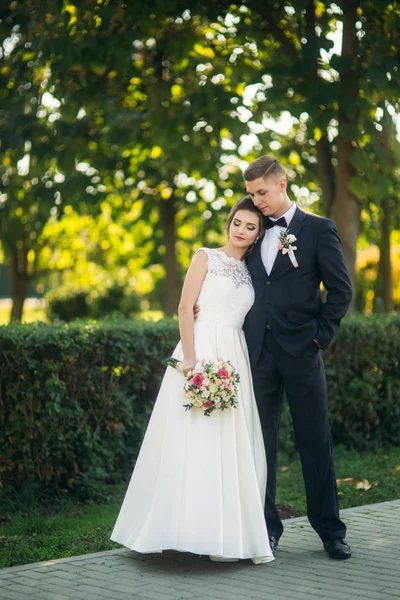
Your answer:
<point x="227" y="292"/>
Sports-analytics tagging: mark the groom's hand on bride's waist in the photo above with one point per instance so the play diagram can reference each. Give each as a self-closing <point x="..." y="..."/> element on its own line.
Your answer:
<point x="196" y="310"/>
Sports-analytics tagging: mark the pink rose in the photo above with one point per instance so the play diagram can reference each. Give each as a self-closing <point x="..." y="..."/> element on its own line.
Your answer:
<point x="206" y="382"/>
<point x="207" y="404"/>
<point x="223" y="373"/>
<point x="197" y="379"/>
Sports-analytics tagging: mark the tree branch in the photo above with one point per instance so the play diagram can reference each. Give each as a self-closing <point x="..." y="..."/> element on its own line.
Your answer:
<point x="313" y="46"/>
<point x="275" y="30"/>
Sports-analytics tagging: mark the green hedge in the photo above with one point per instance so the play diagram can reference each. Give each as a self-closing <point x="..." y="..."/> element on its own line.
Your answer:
<point x="362" y="367"/>
<point x="75" y="399"/>
<point x="363" y="373"/>
<point x="74" y="402"/>
<point x="68" y="306"/>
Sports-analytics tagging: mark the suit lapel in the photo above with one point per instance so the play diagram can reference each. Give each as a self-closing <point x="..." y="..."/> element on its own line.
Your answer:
<point x="282" y="261"/>
<point x="254" y="261"/>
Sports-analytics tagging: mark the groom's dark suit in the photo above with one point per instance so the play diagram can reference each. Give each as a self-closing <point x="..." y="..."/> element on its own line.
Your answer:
<point x="281" y="328"/>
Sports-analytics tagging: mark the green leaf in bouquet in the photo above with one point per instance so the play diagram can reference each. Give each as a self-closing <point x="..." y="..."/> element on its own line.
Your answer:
<point x="172" y="362"/>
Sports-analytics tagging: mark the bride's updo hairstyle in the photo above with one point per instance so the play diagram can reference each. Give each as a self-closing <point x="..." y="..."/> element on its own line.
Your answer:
<point x="246" y="203"/>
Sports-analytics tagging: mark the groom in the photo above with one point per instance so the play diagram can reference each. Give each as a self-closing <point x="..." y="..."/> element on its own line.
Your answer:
<point x="285" y="330"/>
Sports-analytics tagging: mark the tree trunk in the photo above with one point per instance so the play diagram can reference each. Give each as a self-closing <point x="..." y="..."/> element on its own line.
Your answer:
<point x="326" y="174"/>
<point x="19" y="281"/>
<point x="383" y="300"/>
<point x="172" y="285"/>
<point x="347" y="210"/>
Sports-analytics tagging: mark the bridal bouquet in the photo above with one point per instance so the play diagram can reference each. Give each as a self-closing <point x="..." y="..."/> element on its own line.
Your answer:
<point x="211" y="385"/>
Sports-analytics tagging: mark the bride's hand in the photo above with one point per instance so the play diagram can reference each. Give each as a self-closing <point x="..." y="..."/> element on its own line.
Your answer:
<point x="187" y="365"/>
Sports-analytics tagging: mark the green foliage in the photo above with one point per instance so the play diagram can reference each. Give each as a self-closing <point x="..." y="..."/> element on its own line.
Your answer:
<point x="74" y="402"/>
<point x="138" y="116"/>
<point x="86" y="305"/>
<point x="68" y="308"/>
<point x="116" y="300"/>
<point x="75" y="399"/>
<point x="363" y="374"/>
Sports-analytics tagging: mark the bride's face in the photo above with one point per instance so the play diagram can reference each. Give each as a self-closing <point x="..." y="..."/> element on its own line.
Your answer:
<point x="244" y="228"/>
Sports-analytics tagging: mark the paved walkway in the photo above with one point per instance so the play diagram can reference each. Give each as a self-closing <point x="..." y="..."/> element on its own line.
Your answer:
<point x="301" y="571"/>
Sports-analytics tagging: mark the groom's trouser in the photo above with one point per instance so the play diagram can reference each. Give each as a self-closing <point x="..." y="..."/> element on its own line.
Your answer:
<point x="303" y="379"/>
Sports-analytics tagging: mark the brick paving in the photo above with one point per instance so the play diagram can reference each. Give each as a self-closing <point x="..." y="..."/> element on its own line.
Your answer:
<point x="301" y="571"/>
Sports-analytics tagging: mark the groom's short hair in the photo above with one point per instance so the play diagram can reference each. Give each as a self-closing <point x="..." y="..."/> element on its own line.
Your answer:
<point x="265" y="166"/>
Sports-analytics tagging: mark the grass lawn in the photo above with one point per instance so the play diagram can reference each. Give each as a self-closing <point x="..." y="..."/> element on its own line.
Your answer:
<point x="76" y="529"/>
<point x="363" y="478"/>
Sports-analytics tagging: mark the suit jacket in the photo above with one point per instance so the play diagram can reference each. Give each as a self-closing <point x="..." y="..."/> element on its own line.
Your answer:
<point x="289" y="299"/>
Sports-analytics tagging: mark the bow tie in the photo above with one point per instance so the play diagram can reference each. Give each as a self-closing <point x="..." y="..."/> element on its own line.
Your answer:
<point x="270" y="223"/>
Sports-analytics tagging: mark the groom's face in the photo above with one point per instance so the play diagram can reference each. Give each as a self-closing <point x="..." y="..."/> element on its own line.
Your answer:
<point x="268" y="194"/>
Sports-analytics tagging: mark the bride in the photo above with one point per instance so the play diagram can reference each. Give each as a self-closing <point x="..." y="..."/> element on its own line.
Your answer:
<point x="199" y="482"/>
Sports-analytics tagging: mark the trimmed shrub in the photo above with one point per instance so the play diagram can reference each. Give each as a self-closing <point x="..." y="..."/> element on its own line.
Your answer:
<point x="75" y="399"/>
<point x="362" y="368"/>
<point x="363" y="373"/>
<point x="68" y="306"/>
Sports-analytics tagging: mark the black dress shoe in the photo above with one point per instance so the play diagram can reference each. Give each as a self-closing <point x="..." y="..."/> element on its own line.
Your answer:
<point x="273" y="542"/>
<point x="338" y="548"/>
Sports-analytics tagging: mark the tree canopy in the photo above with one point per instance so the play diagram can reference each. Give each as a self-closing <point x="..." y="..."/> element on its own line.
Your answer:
<point x="128" y="124"/>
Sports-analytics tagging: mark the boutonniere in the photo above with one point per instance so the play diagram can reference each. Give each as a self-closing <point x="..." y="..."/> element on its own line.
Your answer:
<point x="286" y="240"/>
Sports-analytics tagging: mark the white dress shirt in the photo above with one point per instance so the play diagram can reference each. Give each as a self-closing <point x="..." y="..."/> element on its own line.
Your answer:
<point x="269" y="244"/>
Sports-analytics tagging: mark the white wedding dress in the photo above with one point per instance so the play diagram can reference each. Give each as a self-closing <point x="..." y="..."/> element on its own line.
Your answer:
<point x="199" y="482"/>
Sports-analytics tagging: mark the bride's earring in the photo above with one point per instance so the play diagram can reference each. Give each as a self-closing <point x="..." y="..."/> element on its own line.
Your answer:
<point x="256" y="240"/>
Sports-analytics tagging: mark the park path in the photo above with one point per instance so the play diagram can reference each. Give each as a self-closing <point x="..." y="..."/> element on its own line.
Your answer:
<point x="301" y="571"/>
